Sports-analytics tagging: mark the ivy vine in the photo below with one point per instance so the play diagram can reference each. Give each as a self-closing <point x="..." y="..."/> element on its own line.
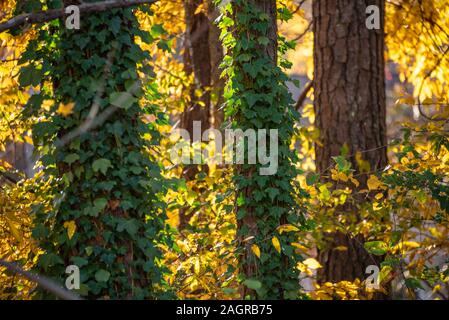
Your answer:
<point x="107" y="217"/>
<point x="258" y="98"/>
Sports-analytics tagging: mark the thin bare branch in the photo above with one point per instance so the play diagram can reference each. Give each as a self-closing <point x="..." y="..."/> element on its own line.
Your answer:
<point x="48" y="15"/>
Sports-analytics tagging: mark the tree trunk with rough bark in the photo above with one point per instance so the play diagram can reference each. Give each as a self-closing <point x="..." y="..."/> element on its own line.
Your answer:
<point x="350" y="112"/>
<point x="203" y="54"/>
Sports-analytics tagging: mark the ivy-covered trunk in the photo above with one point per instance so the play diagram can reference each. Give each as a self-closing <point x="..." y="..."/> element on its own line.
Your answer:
<point x="107" y="218"/>
<point x="257" y="98"/>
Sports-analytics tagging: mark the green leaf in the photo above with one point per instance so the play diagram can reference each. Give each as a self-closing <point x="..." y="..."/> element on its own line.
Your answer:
<point x="377" y="248"/>
<point x="312" y="178"/>
<point x="131" y="226"/>
<point x="101" y="165"/>
<point x="263" y="41"/>
<point x="252" y="284"/>
<point x="100" y="203"/>
<point x="122" y="100"/>
<point x="413" y="283"/>
<point x="157" y="30"/>
<point x="272" y="192"/>
<point x="79" y="261"/>
<point x="71" y="158"/>
<point x="342" y="164"/>
<point x="30" y="75"/>
<point x="102" y="275"/>
<point x="114" y="24"/>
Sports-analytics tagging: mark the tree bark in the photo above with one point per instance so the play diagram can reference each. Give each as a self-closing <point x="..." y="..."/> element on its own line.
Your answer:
<point x="203" y="54"/>
<point x="350" y="111"/>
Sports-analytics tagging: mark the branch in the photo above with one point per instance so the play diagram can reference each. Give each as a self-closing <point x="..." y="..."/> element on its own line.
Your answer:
<point x="303" y="95"/>
<point x="48" y="15"/>
<point x="45" y="283"/>
<point x="10" y="177"/>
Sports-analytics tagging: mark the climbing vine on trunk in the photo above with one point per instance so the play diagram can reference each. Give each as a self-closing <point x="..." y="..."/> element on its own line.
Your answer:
<point x="258" y="98"/>
<point x="107" y="218"/>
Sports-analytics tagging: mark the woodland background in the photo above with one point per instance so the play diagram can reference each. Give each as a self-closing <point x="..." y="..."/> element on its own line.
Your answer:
<point x="85" y="130"/>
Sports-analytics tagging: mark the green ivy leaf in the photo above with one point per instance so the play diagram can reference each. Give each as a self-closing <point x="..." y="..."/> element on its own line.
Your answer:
<point x="131" y="226"/>
<point x="102" y="275"/>
<point x="252" y="284"/>
<point x="100" y="203"/>
<point x="71" y="158"/>
<point x="122" y="100"/>
<point x="101" y="165"/>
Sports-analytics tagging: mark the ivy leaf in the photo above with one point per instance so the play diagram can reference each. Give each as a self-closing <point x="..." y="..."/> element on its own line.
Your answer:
<point x="30" y="75"/>
<point x="122" y="100"/>
<point x="130" y="226"/>
<point x="101" y="165"/>
<point x="252" y="284"/>
<point x="100" y="203"/>
<point x="102" y="275"/>
<point x="71" y="158"/>
<point x="263" y="41"/>
<point x="273" y="192"/>
<point x="114" y="24"/>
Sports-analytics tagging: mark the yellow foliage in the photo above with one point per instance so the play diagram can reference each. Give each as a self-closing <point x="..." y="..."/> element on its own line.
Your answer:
<point x="276" y="244"/>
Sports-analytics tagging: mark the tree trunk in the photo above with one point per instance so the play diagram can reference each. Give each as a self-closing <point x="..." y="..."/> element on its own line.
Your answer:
<point x="350" y="111"/>
<point x="203" y="54"/>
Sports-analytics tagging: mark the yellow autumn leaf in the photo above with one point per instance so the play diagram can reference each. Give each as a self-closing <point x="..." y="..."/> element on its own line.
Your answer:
<point x="406" y="100"/>
<point x="13" y="229"/>
<point x="374" y="183"/>
<point x="71" y="228"/>
<point x="28" y="140"/>
<point x="287" y="228"/>
<point x="255" y="248"/>
<point x="65" y="109"/>
<point x="379" y="196"/>
<point x="311" y="263"/>
<point x="355" y="181"/>
<point x="276" y="244"/>
<point x="299" y="246"/>
<point x="342" y="176"/>
<point x="200" y="8"/>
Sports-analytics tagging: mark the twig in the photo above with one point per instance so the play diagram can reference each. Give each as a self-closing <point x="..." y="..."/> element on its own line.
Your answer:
<point x="303" y="95"/>
<point x="44" y="282"/>
<point x="48" y="15"/>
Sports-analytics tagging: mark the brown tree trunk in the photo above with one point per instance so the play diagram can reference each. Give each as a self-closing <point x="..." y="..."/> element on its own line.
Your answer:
<point x="216" y="57"/>
<point x="350" y="111"/>
<point x="203" y="54"/>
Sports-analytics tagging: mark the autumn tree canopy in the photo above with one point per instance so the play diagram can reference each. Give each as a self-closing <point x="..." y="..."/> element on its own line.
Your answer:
<point x="216" y="149"/>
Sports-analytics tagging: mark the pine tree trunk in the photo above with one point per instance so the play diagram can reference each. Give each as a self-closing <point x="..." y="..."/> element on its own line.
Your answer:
<point x="350" y="111"/>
